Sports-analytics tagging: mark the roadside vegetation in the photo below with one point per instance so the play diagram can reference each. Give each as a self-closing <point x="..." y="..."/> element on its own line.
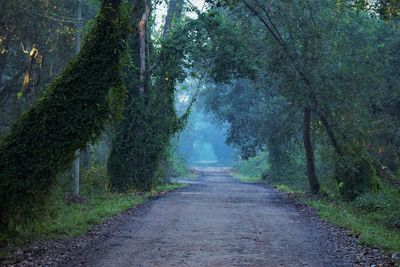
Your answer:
<point x="67" y="215"/>
<point x="178" y="167"/>
<point x="250" y="171"/>
<point x="373" y="217"/>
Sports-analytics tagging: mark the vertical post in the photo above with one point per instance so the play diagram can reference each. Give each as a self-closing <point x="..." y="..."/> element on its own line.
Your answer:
<point x="78" y="48"/>
<point x="76" y="174"/>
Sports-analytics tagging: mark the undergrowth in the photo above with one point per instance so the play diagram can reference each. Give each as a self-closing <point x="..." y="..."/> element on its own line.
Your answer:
<point x="251" y="170"/>
<point x="373" y="218"/>
<point x="66" y="218"/>
<point x="178" y="167"/>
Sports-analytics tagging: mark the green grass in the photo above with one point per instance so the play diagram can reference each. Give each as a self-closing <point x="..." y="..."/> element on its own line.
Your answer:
<point x="246" y="179"/>
<point x="75" y="219"/>
<point x="189" y="175"/>
<point x="168" y="187"/>
<point x="374" y="218"/>
<point x="369" y="232"/>
<point x="179" y="168"/>
<point x="66" y="219"/>
<point x="282" y="187"/>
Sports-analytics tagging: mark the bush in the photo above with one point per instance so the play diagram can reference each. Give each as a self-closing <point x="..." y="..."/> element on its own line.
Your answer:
<point x="356" y="173"/>
<point x="253" y="167"/>
<point x="177" y="165"/>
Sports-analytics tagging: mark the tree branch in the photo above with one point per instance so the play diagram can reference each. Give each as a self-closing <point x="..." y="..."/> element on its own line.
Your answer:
<point x="277" y="39"/>
<point x="270" y="21"/>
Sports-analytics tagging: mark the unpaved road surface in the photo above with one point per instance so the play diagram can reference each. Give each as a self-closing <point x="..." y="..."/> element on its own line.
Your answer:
<point x="219" y="222"/>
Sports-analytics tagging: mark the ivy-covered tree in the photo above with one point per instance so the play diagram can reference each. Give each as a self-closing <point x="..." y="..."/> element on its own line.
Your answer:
<point x="72" y="112"/>
<point x="142" y="138"/>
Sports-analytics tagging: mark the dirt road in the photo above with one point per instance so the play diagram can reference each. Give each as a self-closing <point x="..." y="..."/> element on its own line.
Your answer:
<point x="219" y="222"/>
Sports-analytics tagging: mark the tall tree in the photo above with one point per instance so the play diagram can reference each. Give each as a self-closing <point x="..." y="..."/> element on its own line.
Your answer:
<point x="72" y="112"/>
<point x="142" y="138"/>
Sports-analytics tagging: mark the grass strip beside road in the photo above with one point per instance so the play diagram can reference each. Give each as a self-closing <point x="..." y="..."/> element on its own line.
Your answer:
<point x="65" y="219"/>
<point x="374" y="219"/>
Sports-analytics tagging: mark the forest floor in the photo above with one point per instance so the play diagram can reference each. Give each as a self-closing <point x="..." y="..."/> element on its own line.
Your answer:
<point x="217" y="221"/>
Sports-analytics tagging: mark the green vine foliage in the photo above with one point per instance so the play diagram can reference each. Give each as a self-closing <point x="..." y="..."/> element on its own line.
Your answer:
<point x="356" y="172"/>
<point x="142" y="139"/>
<point x="139" y="145"/>
<point x="72" y="112"/>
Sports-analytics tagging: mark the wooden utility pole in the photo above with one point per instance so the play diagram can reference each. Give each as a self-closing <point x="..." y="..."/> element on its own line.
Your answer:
<point x="78" y="48"/>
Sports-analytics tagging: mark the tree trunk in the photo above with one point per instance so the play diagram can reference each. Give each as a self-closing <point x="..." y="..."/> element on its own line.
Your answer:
<point x="312" y="177"/>
<point x="142" y="27"/>
<point x="174" y="12"/>
<point x="85" y="157"/>
<point x="169" y="18"/>
<point x="330" y="133"/>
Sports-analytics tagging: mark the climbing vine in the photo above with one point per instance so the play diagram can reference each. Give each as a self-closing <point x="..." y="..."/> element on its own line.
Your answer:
<point x="150" y="120"/>
<point x="72" y="112"/>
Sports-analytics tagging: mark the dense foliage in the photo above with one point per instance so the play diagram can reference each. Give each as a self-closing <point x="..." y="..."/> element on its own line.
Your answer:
<point x="72" y="112"/>
<point x="142" y="139"/>
<point x="293" y="72"/>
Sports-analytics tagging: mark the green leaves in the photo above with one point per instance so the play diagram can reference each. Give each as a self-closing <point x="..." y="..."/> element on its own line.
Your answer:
<point x="72" y="112"/>
<point x="333" y="58"/>
<point x="141" y="140"/>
